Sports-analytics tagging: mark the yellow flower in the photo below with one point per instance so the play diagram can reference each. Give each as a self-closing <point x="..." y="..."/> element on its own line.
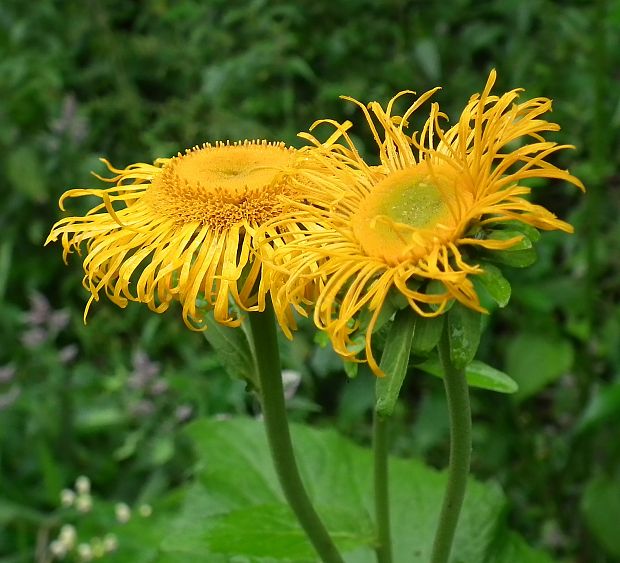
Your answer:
<point x="416" y="217"/>
<point x="184" y="230"/>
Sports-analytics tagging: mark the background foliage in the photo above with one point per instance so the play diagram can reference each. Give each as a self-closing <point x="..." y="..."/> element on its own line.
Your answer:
<point x="136" y="80"/>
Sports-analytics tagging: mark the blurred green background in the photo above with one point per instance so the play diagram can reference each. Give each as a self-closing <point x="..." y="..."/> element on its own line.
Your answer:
<point x="133" y="81"/>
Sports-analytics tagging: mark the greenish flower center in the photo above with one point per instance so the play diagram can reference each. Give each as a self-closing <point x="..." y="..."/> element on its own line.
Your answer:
<point x="417" y="205"/>
<point x="407" y="212"/>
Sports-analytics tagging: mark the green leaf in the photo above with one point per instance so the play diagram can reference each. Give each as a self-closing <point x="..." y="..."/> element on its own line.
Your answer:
<point x="478" y="374"/>
<point x="98" y="418"/>
<point x="495" y="283"/>
<point x="521" y="255"/>
<point x="130" y="444"/>
<point x="511" y="548"/>
<point x="138" y="539"/>
<point x="24" y="170"/>
<point x="535" y="360"/>
<point x="484" y="376"/>
<point x="160" y="451"/>
<point x="601" y="508"/>
<point x="436" y="287"/>
<point x="427" y="55"/>
<point x="426" y="335"/>
<point x="464" y="328"/>
<point x="603" y="407"/>
<point x="321" y="338"/>
<point x="238" y="493"/>
<point x="11" y="511"/>
<point x="350" y="368"/>
<point x="395" y="301"/>
<point x="236" y="511"/>
<point x="395" y="360"/>
<point x="530" y="232"/>
<point x="232" y="348"/>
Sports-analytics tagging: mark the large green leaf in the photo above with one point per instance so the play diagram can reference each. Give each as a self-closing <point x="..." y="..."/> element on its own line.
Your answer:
<point x="512" y="547"/>
<point x="236" y="511"/>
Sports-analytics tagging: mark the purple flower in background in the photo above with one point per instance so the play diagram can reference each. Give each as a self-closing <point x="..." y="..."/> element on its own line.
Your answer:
<point x="59" y="320"/>
<point x="69" y="125"/>
<point x="183" y="413"/>
<point x="8" y="398"/>
<point x="144" y="370"/>
<point x="40" y="310"/>
<point x="143" y="408"/>
<point x="7" y="373"/>
<point x="42" y="321"/>
<point x="34" y="337"/>
<point x="159" y="387"/>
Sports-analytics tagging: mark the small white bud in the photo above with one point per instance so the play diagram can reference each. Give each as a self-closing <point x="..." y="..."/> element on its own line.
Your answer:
<point x="82" y="485"/>
<point x="67" y="497"/>
<point x="58" y="549"/>
<point x="85" y="552"/>
<point x="84" y="503"/>
<point x="68" y="536"/>
<point x="110" y="542"/>
<point x="145" y="510"/>
<point x="123" y="512"/>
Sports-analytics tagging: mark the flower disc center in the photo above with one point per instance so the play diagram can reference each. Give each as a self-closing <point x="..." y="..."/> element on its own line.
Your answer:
<point x="231" y="168"/>
<point x="224" y="184"/>
<point x="406" y="212"/>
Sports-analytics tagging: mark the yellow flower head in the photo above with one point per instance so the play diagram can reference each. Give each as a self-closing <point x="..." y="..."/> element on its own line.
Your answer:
<point x="184" y="229"/>
<point x="418" y="216"/>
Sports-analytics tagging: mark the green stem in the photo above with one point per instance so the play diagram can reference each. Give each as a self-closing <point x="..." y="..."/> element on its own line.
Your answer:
<point x="278" y="434"/>
<point x="394" y="363"/>
<point x="382" y="496"/>
<point x="457" y="392"/>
